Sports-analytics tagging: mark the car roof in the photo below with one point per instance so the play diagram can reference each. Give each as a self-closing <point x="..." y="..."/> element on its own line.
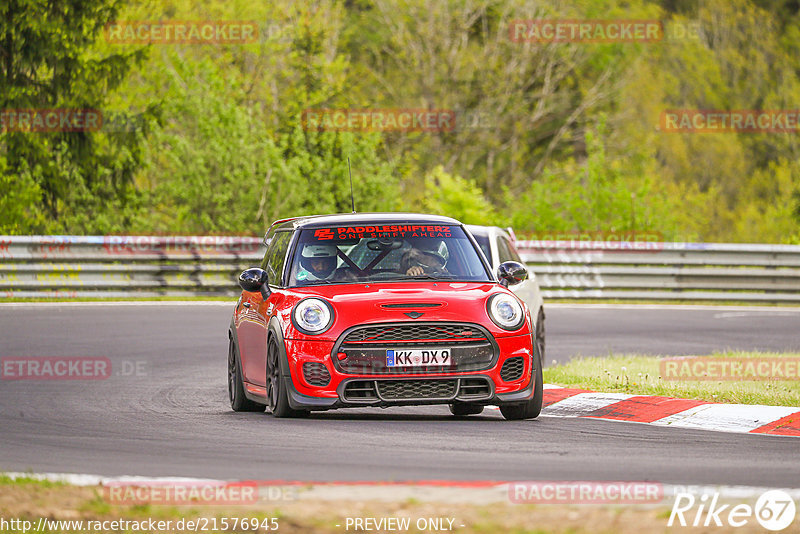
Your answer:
<point x="338" y="219"/>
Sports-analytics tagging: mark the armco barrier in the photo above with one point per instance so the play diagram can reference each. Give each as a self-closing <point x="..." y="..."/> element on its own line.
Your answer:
<point x="665" y="271"/>
<point x="125" y="266"/>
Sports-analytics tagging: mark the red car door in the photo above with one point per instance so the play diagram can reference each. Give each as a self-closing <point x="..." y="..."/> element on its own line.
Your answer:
<point x="254" y="312"/>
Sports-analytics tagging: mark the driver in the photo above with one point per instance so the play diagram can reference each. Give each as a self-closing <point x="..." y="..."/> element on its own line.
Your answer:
<point x="423" y="258"/>
<point x="317" y="262"/>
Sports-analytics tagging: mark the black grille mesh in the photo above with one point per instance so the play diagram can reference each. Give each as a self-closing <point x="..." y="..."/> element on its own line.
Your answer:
<point x="316" y="374"/>
<point x="417" y="389"/>
<point x="360" y="390"/>
<point x="512" y="369"/>
<point x="414" y="333"/>
<point x="474" y="387"/>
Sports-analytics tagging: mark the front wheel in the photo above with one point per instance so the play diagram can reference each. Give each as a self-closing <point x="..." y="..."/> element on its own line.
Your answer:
<point x="277" y="396"/>
<point x="532" y="408"/>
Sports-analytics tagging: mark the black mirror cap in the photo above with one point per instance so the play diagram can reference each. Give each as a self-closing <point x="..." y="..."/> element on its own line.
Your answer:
<point x="511" y="273"/>
<point x="253" y="279"/>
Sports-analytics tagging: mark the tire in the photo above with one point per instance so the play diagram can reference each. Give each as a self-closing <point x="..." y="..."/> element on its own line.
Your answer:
<point x="239" y="402"/>
<point x="462" y="409"/>
<point x="277" y="394"/>
<point x="532" y="408"/>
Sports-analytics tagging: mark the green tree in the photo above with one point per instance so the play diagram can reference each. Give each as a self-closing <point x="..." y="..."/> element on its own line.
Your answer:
<point x="454" y="196"/>
<point x="47" y="62"/>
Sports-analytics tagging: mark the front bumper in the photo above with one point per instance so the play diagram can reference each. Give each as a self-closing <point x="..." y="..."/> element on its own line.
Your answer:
<point x="486" y="386"/>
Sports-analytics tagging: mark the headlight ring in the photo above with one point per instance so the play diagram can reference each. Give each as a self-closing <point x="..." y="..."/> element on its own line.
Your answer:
<point x="505" y="311"/>
<point x="312" y="316"/>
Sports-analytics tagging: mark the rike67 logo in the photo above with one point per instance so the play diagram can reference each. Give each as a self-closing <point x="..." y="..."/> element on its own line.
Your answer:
<point x="774" y="510"/>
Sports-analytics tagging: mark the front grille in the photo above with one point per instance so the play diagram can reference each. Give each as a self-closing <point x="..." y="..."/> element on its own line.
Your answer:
<point x="415" y="333"/>
<point x="387" y="391"/>
<point x="417" y="389"/>
<point x="365" y="347"/>
<point x="512" y="369"/>
<point x="316" y="374"/>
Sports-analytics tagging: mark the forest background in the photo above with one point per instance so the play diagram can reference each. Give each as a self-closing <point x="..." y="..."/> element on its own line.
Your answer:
<point x="208" y="138"/>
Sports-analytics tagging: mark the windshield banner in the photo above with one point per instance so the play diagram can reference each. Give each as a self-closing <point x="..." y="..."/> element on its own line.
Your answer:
<point x="386" y="230"/>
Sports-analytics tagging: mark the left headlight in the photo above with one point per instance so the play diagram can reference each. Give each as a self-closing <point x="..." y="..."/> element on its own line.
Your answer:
<point x="505" y="311"/>
<point x="312" y="316"/>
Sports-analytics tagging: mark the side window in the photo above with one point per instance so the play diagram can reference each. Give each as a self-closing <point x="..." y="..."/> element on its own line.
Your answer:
<point x="503" y="250"/>
<point x="267" y="241"/>
<point x="276" y="253"/>
<point x="483" y="243"/>
<point x="514" y="254"/>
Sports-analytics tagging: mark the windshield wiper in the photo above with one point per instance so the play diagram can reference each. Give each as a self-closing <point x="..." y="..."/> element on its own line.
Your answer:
<point x="320" y="281"/>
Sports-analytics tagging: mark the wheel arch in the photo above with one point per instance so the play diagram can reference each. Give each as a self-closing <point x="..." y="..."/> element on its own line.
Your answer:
<point x="274" y="331"/>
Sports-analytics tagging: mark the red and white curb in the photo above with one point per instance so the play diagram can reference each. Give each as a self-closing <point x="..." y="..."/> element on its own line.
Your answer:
<point x="668" y="411"/>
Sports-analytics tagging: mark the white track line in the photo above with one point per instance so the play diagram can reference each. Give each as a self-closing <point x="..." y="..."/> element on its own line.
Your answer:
<point x="583" y="404"/>
<point x="726" y="417"/>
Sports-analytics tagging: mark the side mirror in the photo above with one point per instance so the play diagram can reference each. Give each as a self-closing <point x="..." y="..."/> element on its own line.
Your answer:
<point x="511" y="273"/>
<point x="254" y="279"/>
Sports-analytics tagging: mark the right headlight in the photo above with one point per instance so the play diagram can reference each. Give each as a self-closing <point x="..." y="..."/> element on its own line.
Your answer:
<point x="505" y="311"/>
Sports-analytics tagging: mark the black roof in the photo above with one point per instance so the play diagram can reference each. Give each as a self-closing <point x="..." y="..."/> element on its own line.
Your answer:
<point x="341" y="219"/>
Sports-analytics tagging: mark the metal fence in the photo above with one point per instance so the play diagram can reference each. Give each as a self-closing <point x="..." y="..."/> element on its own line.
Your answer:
<point x="147" y="266"/>
<point x="665" y="271"/>
<point x="124" y="266"/>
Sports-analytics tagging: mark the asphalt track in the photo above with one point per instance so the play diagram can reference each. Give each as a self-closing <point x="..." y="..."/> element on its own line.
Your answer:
<point x="171" y="418"/>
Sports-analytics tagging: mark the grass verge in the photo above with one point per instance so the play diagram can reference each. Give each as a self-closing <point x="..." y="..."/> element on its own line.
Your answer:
<point x="641" y="375"/>
<point x="30" y="501"/>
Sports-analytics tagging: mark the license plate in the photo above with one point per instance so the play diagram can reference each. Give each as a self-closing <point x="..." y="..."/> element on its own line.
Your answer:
<point x="417" y="357"/>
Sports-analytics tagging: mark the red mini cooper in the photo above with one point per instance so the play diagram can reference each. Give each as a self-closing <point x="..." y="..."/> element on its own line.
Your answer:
<point x="381" y="309"/>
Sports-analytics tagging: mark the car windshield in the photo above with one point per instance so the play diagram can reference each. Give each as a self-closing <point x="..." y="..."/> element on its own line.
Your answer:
<point x="385" y="252"/>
